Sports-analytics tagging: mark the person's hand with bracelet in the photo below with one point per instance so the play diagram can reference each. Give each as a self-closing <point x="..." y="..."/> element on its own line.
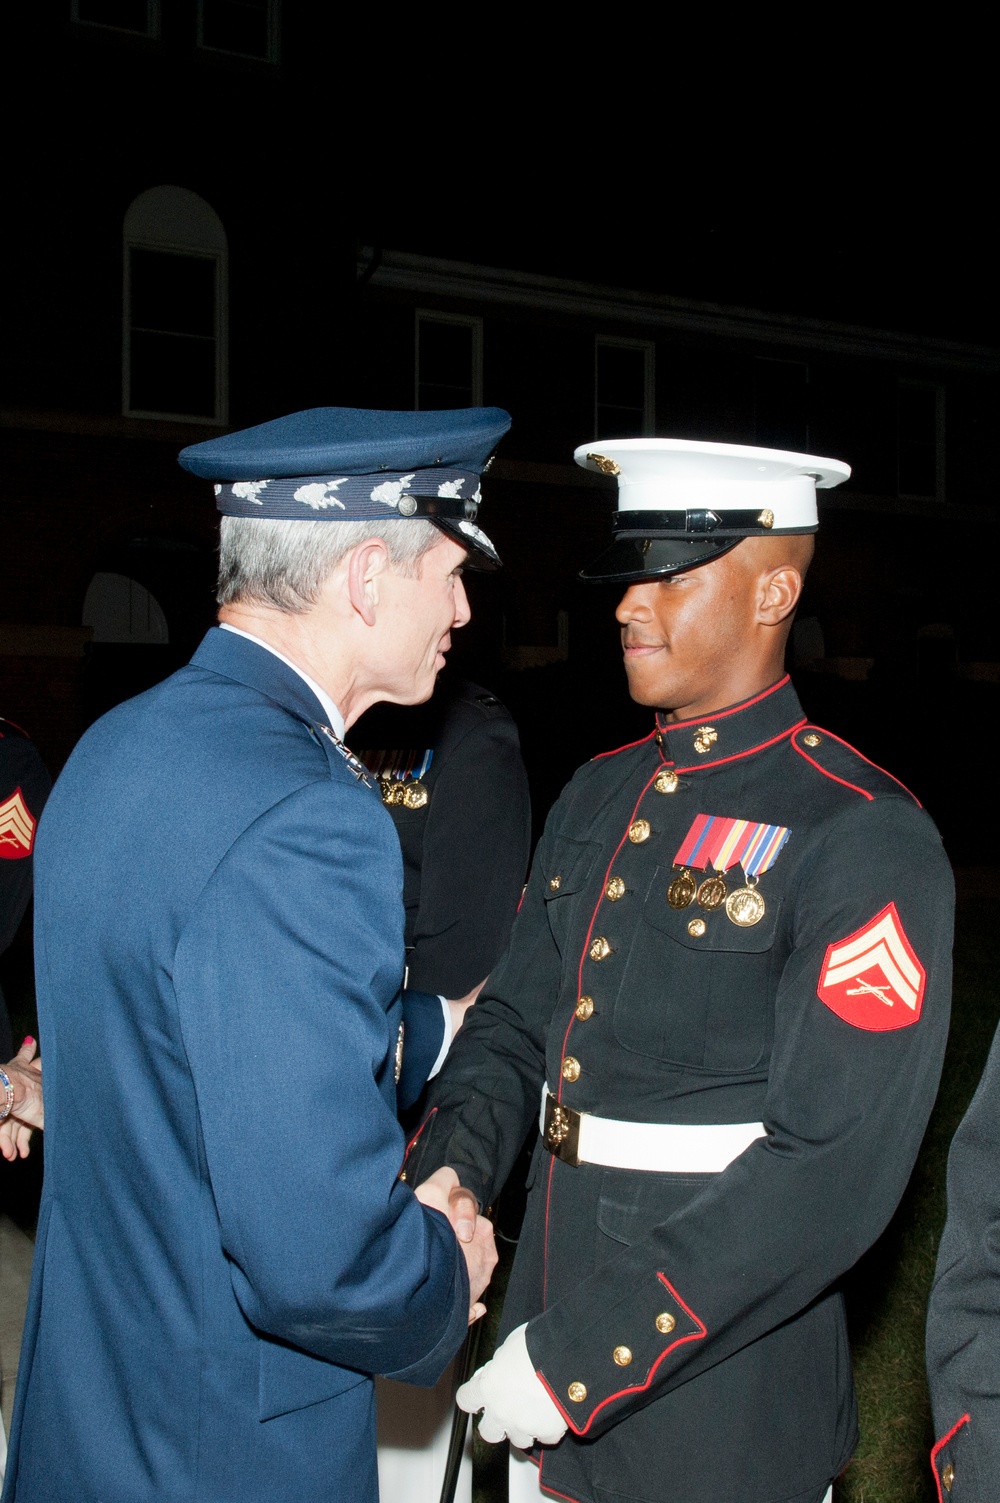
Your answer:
<point x="22" y="1108"/>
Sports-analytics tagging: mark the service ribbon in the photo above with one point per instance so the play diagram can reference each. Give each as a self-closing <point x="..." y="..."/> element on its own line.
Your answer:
<point x="722" y="843"/>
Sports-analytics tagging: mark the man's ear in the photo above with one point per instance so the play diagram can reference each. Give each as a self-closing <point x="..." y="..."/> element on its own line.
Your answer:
<point x="778" y="594"/>
<point x="366" y="567"/>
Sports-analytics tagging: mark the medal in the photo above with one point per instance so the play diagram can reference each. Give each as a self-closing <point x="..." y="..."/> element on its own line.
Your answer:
<point x="680" y="893"/>
<point x="411" y="794"/>
<point x="745" y="907"/>
<point x="712" y="893"/>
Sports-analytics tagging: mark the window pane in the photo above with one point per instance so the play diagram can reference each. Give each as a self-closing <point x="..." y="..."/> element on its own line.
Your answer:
<point x="917" y="428"/>
<point x="125" y="15"/>
<point x="172" y="373"/>
<point x="621" y="377"/>
<point x="174" y="294"/>
<point x="239" y="26"/>
<point x="445" y="356"/>
<point x="621" y="391"/>
<point x="781" y="406"/>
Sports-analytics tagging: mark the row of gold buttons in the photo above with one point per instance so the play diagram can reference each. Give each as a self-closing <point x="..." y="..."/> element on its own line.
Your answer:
<point x="622" y="1356"/>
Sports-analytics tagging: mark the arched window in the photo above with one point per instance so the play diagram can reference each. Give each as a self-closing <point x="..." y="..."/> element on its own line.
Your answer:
<point x="122" y="610"/>
<point x="174" y="346"/>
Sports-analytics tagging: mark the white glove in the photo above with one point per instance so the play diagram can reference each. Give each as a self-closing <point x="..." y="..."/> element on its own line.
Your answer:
<point x="515" y="1403"/>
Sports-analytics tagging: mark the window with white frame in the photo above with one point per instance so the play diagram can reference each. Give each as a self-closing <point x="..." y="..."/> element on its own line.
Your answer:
<point x="781" y="404"/>
<point x="174" y="325"/>
<point x="624" y="391"/>
<point x="920" y="440"/>
<point x="243" y="28"/>
<point x="449" y="361"/>
<point x="140" y="17"/>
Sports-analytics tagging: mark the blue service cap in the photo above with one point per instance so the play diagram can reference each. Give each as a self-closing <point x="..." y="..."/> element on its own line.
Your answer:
<point x="351" y="464"/>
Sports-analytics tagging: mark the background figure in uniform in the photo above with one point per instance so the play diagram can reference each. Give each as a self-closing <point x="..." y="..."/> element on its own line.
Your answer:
<point x="452" y="778"/>
<point x="728" y="989"/>
<point x="24" y="787"/>
<point x="963" y="1318"/>
<point x="225" y="1249"/>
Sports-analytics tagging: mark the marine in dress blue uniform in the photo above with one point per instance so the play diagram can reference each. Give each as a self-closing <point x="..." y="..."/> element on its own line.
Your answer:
<point x="24" y="787"/>
<point x="728" y="988"/>
<point x="963" y="1318"/>
<point x="225" y="1253"/>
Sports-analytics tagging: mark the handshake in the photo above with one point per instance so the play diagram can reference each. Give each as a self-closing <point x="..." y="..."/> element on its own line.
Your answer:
<point x="514" y="1401"/>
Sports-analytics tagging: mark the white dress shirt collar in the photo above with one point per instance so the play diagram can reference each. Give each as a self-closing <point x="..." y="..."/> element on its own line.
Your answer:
<point x="332" y="713"/>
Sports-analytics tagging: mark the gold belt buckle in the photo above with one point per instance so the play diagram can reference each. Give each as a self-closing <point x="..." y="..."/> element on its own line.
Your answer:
<point x="561" y="1132"/>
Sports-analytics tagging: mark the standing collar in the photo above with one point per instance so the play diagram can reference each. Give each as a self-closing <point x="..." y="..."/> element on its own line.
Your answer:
<point x="736" y="731"/>
<point x="333" y="715"/>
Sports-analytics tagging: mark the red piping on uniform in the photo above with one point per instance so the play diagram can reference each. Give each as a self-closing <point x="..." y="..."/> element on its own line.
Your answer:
<point x="593" y="917"/>
<point x="678" y="725"/>
<point x="627" y="747"/>
<point x="750" y="752"/>
<point x="698" y="1335"/>
<point x="410" y="1144"/>
<point x="877" y="768"/>
<point x="832" y="775"/>
<point x="940" y="1445"/>
<point x="553" y="1492"/>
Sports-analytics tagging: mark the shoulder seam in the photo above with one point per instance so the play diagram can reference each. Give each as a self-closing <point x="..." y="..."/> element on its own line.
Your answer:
<point x="853" y="749"/>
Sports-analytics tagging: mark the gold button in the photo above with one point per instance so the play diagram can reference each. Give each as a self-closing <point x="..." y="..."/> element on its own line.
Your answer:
<point x="622" y="1356"/>
<point x="812" y="739"/>
<point x="402" y="1175"/>
<point x="696" y="928"/>
<point x="948" y="1477"/>
<point x="555" y="883"/>
<point x="585" y="1008"/>
<point x="614" y="890"/>
<point x="704" y="737"/>
<point x="765" y="518"/>
<point x="577" y="1392"/>
<point x="665" y="1323"/>
<point x="600" y="948"/>
<point x="658" y="739"/>
<point x="639" y="831"/>
<point x="570" y="1068"/>
<point x="666" y="781"/>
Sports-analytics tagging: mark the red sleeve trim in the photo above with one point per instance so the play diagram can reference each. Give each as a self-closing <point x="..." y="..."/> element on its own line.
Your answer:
<point x="416" y="1135"/>
<point x="552" y="1492"/>
<point x="939" y="1446"/>
<point x="627" y="747"/>
<point x="698" y="1335"/>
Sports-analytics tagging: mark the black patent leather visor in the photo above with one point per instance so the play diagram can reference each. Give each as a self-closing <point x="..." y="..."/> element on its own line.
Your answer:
<point x="629" y="559"/>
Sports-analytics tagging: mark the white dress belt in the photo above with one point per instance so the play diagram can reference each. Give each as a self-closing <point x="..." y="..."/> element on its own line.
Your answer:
<point x="665" y="1147"/>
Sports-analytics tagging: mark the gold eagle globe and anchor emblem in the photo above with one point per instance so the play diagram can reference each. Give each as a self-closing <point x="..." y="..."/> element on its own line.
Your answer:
<point x="705" y="738"/>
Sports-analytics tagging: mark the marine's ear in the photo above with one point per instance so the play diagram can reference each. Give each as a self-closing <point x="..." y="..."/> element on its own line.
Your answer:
<point x="778" y="594"/>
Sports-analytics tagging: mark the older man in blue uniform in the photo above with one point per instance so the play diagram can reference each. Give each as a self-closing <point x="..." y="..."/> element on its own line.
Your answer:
<point x="728" y="990"/>
<point x="225" y="1251"/>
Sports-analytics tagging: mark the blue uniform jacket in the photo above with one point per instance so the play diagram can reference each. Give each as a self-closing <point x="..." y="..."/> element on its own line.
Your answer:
<point x="225" y="1252"/>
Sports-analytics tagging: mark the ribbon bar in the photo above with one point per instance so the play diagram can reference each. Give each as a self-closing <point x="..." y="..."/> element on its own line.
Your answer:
<point x="723" y="843"/>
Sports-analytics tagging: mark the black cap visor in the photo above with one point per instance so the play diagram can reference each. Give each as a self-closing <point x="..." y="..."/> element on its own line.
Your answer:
<point x="632" y="558"/>
<point x="482" y="555"/>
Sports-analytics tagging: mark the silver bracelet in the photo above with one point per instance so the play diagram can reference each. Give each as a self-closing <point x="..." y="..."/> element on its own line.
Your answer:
<point x="5" y="1111"/>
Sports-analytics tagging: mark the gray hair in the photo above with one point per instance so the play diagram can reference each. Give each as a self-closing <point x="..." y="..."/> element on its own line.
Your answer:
<point x="271" y="561"/>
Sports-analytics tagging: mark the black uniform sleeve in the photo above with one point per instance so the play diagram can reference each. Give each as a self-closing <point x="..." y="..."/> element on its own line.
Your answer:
<point x="475" y="855"/>
<point x="963" y="1324"/>
<point x="845" y="1110"/>
<point x="24" y="787"/>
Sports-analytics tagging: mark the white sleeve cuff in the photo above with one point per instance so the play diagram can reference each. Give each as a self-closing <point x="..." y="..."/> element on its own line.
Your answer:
<point x="446" y="1040"/>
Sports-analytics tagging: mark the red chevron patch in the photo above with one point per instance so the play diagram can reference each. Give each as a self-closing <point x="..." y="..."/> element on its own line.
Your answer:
<point x="17" y="828"/>
<point x="873" y="979"/>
